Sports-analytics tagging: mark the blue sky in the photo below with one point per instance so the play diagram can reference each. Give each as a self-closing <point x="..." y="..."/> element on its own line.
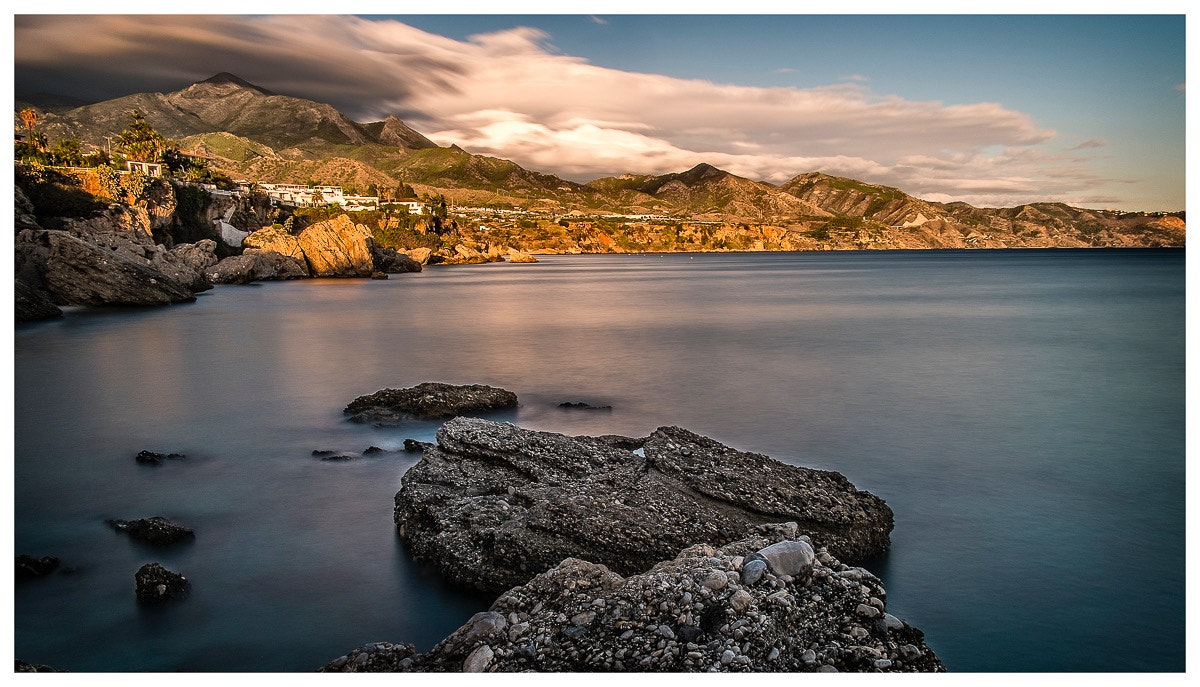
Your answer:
<point x="990" y="109"/>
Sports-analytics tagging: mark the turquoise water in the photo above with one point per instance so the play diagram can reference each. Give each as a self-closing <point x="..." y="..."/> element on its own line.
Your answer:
<point x="1022" y="412"/>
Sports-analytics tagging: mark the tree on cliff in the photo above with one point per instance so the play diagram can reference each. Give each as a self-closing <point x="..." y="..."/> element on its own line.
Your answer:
<point x="29" y="118"/>
<point x="436" y="210"/>
<point x="140" y="142"/>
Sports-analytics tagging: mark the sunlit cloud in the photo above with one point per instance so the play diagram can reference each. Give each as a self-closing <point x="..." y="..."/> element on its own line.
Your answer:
<point x="511" y="94"/>
<point x="1091" y="143"/>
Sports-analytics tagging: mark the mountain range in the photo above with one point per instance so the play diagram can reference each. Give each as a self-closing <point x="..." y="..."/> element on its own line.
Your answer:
<point x="252" y="133"/>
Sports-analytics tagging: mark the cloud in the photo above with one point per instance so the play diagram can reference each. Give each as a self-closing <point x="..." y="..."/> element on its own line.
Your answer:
<point x="783" y="70"/>
<point x="1091" y="143"/>
<point x="1181" y="87"/>
<point x="598" y="20"/>
<point x="511" y="94"/>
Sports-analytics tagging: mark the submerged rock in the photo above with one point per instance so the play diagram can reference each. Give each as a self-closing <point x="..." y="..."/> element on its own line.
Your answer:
<point x="28" y="567"/>
<point x="581" y="405"/>
<point x="580" y="616"/>
<point x="428" y="401"/>
<point x="493" y="504"/>
<point x="156" y="530"/>
<point x="154" y="458"/>
<point x="155" y="584"/>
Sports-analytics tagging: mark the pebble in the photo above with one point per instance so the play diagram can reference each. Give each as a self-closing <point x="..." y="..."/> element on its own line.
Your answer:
<point x="752" y="571"/>
<point x="478" y="660"/>
<point x="867" y="611"/>
<point x="727" y="657"/>
<point x="883" y="664"/>
<point x="809" y="656"/>
<point x="892" y="622"/>
<point x="773" y="653"/>
<point x="826" y="669"/>
<point x="740" y="600"/>
<point x="715" y="580"/>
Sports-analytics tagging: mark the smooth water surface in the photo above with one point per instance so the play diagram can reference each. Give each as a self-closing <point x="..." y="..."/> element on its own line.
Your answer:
<point x="1022" y="412"/>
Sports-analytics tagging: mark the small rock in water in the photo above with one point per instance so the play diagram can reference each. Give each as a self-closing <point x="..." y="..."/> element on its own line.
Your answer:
<point x="153" y="458"/>
<point x="372" y="450"/>
<point x="567" y="405"/>
<point x="156" y="530"/>
<point x="155" y="584"/>
<point x="28" y="566"/>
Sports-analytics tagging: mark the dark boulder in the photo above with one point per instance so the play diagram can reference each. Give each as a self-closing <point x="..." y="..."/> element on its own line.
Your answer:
<point x="154" y="458"/>
<point x="255" y="265"/>
<point x="29" y="567"/>
<point x="428" y="401"/>
<point x="687" y="614"/>
<point x="33" y="303"/>
<point x="74" y="271"/>
<point x="567" y="405"/>
<point x="389" y="261"/>
<point x="157" y="530"/>
<point x="155" y="584"/>
<point x="494" y="504"/>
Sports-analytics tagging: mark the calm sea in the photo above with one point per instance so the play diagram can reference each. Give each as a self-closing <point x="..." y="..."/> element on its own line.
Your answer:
<point x="1022" y="412"/>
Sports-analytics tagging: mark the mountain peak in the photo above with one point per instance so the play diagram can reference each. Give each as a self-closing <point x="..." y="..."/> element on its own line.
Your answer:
<point x="700" y="172"/>
<point x="227" y="78"/>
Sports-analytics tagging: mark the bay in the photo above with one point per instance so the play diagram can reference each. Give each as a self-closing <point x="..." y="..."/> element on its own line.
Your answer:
<point x="1022" y="412"/>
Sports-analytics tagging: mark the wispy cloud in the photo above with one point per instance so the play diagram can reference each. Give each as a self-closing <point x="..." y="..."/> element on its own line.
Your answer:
<point x="510" y="94"/>
<point x="783" y="70"/>
<point x="1091" y="143"/>
<point x="598" y="20"/>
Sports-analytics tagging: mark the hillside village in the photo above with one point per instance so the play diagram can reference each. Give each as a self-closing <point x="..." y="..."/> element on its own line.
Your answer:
<point x="147" y="175"/>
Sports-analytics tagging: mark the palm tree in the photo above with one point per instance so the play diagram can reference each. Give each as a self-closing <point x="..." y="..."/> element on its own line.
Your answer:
<point x="29" y="117"/>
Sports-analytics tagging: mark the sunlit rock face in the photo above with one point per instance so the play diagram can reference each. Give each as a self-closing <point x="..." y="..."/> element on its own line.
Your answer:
<point x="338" y="248"/>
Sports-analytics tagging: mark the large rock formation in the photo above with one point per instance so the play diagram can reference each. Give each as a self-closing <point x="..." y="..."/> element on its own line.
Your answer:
<point x="338" y="248"/>
<point x="492" y="505"/>
<point x="767" y="603"/>
<point x="74" y="271"/>
<point x="277" y="240"/>
<point x="257" y="265"/>
<point x="391" y="261"/>
<point x="428" y="401"/>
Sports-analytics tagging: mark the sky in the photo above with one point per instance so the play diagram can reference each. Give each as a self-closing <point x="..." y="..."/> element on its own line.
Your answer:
<point x="991" y="109"/>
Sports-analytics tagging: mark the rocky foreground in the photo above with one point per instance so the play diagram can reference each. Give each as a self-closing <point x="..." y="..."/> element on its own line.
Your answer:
<point x="492" y="504"/>
<point x="767" y="603"/>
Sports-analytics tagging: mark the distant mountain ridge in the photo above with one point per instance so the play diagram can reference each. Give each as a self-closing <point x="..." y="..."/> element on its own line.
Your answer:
<point x="253" y="133"/>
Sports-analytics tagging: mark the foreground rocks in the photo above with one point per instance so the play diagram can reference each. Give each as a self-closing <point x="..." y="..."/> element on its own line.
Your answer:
<point x="155" y="584"/>
<point x="428" y="401"/>
<point x="492" y="505"/>
<point x="157" y="530"/>
<point x="767" y="603"/>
